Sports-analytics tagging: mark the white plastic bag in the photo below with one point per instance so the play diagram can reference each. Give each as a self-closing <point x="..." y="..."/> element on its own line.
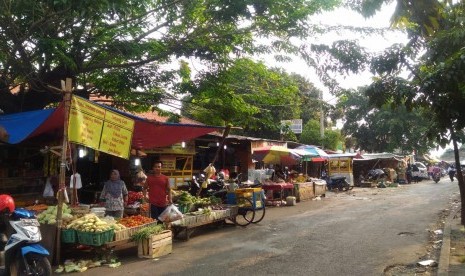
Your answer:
<point x="170" y="214"/>
<point x="48" y="191"/>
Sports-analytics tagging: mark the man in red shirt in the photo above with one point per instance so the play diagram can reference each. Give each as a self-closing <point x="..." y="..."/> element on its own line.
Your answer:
<point x="159" y="189"/>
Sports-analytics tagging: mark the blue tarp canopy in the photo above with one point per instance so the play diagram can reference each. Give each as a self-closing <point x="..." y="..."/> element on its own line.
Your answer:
<point x="19" y="126"/>
<point x="147" y="134"/>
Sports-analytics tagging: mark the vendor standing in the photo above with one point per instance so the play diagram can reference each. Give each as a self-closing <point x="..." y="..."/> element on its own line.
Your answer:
<point x="159" y="190"/>
<point x="115" y="195"/>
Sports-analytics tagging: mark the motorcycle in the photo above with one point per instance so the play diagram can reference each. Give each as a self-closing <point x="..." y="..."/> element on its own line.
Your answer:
<point x="337" y="182"/>
<point x="216" y="187"/>
<point x="22" y="254"/>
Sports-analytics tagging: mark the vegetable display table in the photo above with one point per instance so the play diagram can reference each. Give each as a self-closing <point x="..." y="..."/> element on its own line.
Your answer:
<point x="190" y="222"/>
<point x="282" y="189"/>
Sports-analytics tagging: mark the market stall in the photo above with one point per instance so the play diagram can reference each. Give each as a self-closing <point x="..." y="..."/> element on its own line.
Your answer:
<point x="199" y="212"/>
<point x="276" y="192"/>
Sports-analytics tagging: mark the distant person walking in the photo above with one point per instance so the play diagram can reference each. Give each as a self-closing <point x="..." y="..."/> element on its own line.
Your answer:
<point x="451" y="171"/>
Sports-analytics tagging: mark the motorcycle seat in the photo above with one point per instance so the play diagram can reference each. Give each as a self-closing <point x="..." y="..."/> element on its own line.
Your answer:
<point x="335" y="178"/>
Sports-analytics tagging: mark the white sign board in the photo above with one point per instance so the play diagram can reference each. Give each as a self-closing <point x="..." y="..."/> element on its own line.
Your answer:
<point x="295" y="125"/>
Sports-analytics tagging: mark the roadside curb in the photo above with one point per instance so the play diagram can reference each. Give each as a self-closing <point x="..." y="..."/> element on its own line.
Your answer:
<point x="444" y="259"/>
<point x="443" y="267"/>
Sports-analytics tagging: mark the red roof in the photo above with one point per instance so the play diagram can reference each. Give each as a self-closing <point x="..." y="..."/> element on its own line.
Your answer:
<point x="149" y="115"/>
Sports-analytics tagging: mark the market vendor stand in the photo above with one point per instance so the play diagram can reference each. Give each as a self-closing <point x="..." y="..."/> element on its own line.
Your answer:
<point x="192" y="221"/>
<point x="282" y="189"/>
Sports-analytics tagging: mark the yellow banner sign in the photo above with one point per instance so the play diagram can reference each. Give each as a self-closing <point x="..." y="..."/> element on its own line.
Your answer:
<point x="98" y="128"/>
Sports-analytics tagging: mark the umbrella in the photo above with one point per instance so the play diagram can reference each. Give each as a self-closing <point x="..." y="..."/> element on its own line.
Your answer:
<point x="275" y="155"/>
<point x="312" y="153"/>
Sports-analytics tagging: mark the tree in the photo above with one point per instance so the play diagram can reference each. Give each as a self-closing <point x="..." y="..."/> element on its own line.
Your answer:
<point x="121" y="48"/>
<point x="435" y="60"/>
<point x="384" y="129"/>
<point x="311" y="135"/>
<point x="246" y="94"/>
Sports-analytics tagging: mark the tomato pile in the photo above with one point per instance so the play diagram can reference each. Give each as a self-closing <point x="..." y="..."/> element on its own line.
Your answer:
<point x="134" y="221"/>
<point x="134" y="196"/>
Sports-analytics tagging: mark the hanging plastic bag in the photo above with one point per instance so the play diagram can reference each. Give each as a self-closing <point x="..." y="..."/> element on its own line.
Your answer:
<point x="65" y="193"/>
<point x="48" y="191"/>
<point x="171" y="213"/>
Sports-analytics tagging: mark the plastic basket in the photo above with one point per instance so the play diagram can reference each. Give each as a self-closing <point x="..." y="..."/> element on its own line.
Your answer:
<point x="68" y="235"/>
<point x="95" y="239"/>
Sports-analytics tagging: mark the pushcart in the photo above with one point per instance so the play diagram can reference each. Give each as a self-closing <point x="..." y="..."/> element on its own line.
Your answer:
<point x="251" y="205"/>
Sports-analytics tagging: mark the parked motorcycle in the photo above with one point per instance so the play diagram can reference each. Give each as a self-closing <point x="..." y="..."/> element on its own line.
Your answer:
<point x="216" y="187"/>
<point x="337" y="182"/>
<point x="23" y="254"/>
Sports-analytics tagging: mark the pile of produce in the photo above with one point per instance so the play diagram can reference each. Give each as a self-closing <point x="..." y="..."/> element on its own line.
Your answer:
<point x="134" y="221"/>
<point x="146" y="232"/>
<point x="145" y="207"/>
<point x="91" y="223"/>
<point x="134" y="197"/>
<point x="49" y="216"/>
<point x="187" y="199"/>
<point x="37" y="208"/>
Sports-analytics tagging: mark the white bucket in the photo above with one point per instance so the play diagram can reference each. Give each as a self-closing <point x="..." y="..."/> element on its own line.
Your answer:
<point x="291" y="201"/>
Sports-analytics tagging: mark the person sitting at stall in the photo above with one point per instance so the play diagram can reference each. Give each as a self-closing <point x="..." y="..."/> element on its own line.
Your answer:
<point x="278" y="174"/>
<point x="140" y="180"/>
<point x="115" y="195"/>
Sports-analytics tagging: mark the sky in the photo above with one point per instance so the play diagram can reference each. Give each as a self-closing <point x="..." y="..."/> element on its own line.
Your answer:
<point x="344" y="17"/>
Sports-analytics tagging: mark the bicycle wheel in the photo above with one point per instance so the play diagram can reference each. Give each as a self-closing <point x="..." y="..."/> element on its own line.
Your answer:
<point x="246" y="213"/>
<point x="259" y="213"/>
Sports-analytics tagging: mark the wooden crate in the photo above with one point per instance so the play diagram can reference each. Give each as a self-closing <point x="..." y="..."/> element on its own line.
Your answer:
<point x="128" y="232"/>
<point x="156" y="246"/>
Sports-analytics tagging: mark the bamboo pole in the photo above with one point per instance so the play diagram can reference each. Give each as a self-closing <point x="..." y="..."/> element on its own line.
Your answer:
<point x="220" y="147"/>
<point x="66" y="87"/>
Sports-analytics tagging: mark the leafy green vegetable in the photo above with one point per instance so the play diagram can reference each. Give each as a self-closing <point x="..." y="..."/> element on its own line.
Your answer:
<point x="146" y="232"/>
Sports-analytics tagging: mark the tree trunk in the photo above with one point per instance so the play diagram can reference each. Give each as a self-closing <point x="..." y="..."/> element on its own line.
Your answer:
<point x="459" y="177"/>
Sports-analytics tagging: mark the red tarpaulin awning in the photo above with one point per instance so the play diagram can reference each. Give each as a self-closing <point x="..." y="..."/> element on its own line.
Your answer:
<point x="146" y="134"/>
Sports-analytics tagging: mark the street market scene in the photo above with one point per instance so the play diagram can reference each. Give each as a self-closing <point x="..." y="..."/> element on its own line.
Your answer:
<point x="169" y="138"/>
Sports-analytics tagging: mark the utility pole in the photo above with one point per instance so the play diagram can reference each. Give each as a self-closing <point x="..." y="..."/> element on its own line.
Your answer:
<point x="322" y="115"/>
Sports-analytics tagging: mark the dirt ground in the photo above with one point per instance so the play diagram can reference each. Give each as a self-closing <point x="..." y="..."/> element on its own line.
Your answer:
<point x="457" y="248"/>
<point x="457" y="245"/>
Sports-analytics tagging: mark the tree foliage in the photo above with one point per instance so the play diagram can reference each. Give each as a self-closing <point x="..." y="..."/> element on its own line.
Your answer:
<point x="246" y="94"/>
<point x="435" y="61"/>
<point x="311" y="136"/>
<point x="121" y="48"/>
<point x="385" y="128"/>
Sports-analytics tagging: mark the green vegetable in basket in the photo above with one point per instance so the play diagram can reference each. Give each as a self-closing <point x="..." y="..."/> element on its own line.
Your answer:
<point x="146" y="232"/>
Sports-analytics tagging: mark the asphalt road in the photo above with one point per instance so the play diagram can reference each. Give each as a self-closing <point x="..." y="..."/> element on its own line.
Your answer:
<point x="357" y="233"/>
